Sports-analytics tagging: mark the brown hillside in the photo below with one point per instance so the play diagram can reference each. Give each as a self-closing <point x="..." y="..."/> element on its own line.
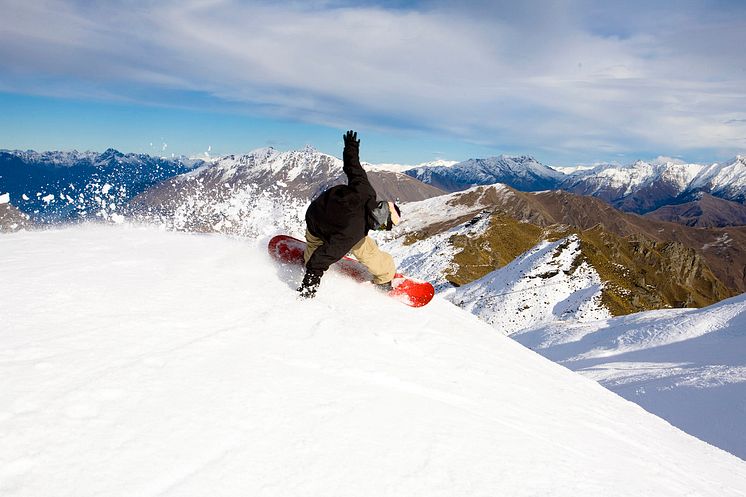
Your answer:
<point x="640" y="274"/>
<point x="400" y="187"/>
<point x="723" y="250"/>
<point x="705" y="212"/>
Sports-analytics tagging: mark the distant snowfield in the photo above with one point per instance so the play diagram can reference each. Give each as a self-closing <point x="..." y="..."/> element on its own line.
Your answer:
<point x="141" y="362"/>
<point x="687" y="366"/>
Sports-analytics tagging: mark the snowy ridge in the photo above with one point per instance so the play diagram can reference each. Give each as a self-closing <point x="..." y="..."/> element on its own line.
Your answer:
<point x="232" y="165"/>
<point x="545" y="284"/>
<point x="639" y="187"/>
<point x="99" y="159"/>
<point x="569" y="170"/>
<point x="686" y="366"/>
<point x="628" y="179"/>
<point x="714" y="177"/>
<point x="268" y="161"/>
<point x="726" y="180"/>
<point x="431" y="259"/>
<point x="56" y="158"/>
<point x="163" y="376"/>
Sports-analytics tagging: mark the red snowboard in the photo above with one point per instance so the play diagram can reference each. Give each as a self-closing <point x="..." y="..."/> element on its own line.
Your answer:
<point x="415" y="293"/>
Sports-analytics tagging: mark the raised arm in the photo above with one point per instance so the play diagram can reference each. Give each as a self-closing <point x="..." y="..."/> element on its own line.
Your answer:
<point x="356" y="175"/>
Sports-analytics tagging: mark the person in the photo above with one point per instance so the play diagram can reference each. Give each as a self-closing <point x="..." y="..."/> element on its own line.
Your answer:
<point x="338" y="221"/>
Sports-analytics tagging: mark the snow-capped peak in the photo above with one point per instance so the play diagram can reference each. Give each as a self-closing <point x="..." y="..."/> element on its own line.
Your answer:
<point x="663" y="160"/>
<point x="263" y="163"/>
<point x="521" y="172"/>
<point x="727" y="179"/>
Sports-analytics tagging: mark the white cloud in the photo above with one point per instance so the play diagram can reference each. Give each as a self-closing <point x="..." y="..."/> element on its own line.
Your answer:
<point x="524" y="77"/>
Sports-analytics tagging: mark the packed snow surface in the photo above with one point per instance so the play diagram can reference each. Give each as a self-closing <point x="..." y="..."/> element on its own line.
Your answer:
<point x="143" y="362"/>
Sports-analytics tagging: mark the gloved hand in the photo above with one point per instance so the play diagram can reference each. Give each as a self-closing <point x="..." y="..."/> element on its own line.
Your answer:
<point x="350" y="139"/>
<point x="310" y="284"/>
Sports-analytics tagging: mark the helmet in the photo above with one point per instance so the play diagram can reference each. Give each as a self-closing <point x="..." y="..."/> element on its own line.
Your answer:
<point x="386" y="215"/>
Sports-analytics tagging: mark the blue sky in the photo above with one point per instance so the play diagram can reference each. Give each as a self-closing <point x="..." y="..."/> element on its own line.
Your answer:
<point x="569" y="81"/>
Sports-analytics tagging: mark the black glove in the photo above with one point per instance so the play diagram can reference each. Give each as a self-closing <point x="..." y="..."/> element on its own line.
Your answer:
<point x="310" y="284"/>
<point x="350" y="139"/>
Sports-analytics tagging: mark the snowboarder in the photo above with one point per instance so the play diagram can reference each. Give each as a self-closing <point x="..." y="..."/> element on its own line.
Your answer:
<point x="338" y="220"/>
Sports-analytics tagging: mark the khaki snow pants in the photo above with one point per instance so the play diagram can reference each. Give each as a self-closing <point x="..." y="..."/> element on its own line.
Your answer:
<point x="379" y="263"/>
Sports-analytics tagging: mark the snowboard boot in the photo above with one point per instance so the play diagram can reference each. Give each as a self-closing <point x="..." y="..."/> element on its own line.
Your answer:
<point x="384" y="287"/>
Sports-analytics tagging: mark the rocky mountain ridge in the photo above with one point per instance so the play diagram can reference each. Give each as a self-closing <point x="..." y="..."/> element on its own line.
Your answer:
<point x="720" y="248"/>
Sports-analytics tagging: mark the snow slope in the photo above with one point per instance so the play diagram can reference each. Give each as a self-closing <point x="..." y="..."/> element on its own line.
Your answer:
<point x="545" y="284"/>
<point x="687" y="366"/>
<point x="142" y="362"/>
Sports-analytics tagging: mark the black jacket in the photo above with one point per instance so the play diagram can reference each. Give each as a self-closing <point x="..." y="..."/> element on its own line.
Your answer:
<point x="340" y="215"/>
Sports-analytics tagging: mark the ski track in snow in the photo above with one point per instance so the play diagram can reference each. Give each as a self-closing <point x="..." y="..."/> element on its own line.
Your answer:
<point x="150" y="363"/>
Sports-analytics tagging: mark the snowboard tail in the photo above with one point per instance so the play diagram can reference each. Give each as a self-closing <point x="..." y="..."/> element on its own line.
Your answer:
<point x="415" y="293"/>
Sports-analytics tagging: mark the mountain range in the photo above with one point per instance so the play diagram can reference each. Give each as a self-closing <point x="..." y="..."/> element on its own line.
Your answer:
<point x="522" y="173"/>
<point x="666" y="264"/>
<point x="53" y="186"/>
<point x="643" y="264"/>
<point x="641" y="187"/>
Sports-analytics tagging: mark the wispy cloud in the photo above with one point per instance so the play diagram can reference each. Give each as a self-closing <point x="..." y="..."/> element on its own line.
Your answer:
<point x="540" y="75"/>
